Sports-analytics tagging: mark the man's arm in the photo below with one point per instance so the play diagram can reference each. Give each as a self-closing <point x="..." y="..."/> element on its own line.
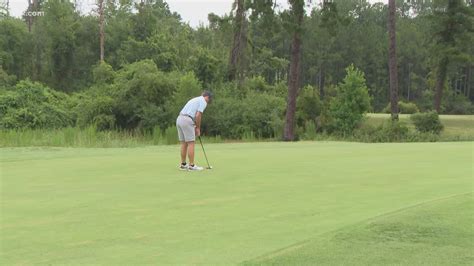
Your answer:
<point x="197" y="121"/>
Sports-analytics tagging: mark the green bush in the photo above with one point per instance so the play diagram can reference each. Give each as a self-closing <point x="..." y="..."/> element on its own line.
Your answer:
<point x="141" y="91"/>
<point x="457" y="104"/>
<point x="5" y="79"/>
<point x="139" y="96"/>
<point x="352" y="101"/>
<point x="33" y="105"/>
<point x="388" y="131"/>
<point x="97" y="110"/>
<point x="427" y="122"/>
<point x="403" y="108"/>
<point x="392" y="131"/>
<point x="408" y="108"/>
<point x="103" y="73"/>
<point x="232" y="116"/>
<point x="308" y="106"/>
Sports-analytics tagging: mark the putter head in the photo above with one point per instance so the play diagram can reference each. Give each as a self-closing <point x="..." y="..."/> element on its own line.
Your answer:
<point x="209" y="167"/>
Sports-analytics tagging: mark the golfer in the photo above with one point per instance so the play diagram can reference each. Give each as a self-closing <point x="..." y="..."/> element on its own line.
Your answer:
<point x="189" y="127"/>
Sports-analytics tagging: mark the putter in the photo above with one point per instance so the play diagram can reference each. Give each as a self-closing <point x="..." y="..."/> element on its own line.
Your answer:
<point x="208" y="166"/>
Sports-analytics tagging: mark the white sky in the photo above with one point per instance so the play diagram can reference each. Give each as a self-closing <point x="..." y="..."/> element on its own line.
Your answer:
<point x="192" y="11"/>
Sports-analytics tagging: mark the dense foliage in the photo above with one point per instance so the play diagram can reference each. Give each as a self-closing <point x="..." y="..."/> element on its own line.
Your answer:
<point x="352" y="101"/>
<point x="50" y="76"/>
<point x="32" y="105"/>
<point x="427" y="122"/>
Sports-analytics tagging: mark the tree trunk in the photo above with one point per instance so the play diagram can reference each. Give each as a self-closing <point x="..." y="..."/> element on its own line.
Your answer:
<point x="238" y="46"/>
<point x="322" y="78"/>
<point x="29" y="18"/>
<point x="294" y="73"/>
<point x="409" y="81"/>
<point x="468" y="82"/>
<point x="101" y="29"/>
<point x="440" y="81"/>
<point x="392" y="53"/>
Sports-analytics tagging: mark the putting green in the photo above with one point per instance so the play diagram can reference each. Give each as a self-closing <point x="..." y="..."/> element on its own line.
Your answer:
<point x="132" y="206"/>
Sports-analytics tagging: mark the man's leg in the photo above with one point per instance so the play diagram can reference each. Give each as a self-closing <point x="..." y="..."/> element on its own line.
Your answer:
<point x="181" y="137"/>
<point x="190" y="145"/>
<point x="184" y="149"/>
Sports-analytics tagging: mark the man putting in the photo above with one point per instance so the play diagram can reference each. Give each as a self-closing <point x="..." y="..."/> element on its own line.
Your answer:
<point x="188" y="124"/>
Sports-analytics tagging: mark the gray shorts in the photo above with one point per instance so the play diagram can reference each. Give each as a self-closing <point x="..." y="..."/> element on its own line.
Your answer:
<point x="185" y="126"/>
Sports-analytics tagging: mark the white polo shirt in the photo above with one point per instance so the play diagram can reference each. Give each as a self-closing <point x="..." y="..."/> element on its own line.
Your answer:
<point x="194" y="105"/>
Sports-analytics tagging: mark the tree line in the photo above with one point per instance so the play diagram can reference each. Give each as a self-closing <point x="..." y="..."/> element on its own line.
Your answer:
<point x="297" y="61"/>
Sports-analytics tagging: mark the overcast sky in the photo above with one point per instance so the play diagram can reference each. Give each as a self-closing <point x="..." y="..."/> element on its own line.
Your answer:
<point x="192" y="11"/>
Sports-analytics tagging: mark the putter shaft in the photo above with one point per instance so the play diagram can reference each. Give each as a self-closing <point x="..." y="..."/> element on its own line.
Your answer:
<point x="208" y="165"/>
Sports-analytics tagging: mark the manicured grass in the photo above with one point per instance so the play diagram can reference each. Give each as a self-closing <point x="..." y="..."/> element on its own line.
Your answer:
<point x="132" y="206"/>
<point x="437" y="232"/>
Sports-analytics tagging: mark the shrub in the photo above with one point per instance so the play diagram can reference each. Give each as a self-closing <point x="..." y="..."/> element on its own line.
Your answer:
<point x="403" y="108"/>
<point x="408" y="108"/>
<point x="388" y="131"/>
<point x="97" y="110"/>
<point x="103" y="73"/>
<point x="139" y="96"/>
<point x="308" y="106"/>
<point x="457" y="104"/>
<point x="232" y="117"/>
<point x="33" y="105"/>
<point x="351" y="102"/>
<point x="5" y="79"/>
<point x="392" y="131"/>
<point x="427" y="122"/>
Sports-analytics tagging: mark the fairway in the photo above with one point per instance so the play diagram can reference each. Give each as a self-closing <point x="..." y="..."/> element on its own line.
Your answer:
<point x="263" y="203"/>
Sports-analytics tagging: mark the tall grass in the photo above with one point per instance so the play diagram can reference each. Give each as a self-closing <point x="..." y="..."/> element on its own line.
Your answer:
<point x="87" y="137"/>
<point x="457" y="128"/>
<point x="91" y="137"/>
<point x="309" y="131"/>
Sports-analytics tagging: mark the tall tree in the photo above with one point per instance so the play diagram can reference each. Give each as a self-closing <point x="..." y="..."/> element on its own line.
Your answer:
<point x="392" y="59"/>
<point x="238" y="47"/>
<point x="453" y="23"/>
<point x="296" y="17"/>
<point x="5" y="9"/>
<point x="33" y="5"/>
<point x="101" y="8"/>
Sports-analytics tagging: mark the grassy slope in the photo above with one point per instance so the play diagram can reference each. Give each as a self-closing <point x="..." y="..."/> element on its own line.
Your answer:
<point x="131" y="206"/>
<point x="434" y="233"/>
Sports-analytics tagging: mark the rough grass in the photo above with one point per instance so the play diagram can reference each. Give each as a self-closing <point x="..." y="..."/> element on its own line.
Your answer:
<point x="456" y="127"/>
<point x="133" y="207"/>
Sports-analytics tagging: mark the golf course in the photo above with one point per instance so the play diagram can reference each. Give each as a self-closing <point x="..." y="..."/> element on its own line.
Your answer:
<point x="236" y="132"/>
<point x="270" y="203"/>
